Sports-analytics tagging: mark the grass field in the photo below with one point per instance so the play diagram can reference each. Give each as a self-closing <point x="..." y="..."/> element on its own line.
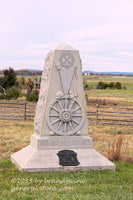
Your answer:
<point x="111" y="93"/>
<point x="108" y="78"/>
<point x="113" y="97"/>
<point x="91" y="185"/>
<point x="15" y="135"/>
<point x="92" y="81"/>
<point x="108" y="95"/>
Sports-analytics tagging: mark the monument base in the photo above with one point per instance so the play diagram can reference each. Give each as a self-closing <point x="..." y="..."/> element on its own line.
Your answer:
<point x="34" y="159"/>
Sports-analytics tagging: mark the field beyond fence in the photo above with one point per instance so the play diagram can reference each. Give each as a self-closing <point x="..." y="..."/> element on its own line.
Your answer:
<point x="98" y="114"/>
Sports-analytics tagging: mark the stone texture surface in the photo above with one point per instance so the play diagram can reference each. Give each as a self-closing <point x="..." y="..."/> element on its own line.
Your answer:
<point x="61" y="121"/>
<point x="57" y="142"/>
<point x="32" y="160"/>
<point x="61" y="94"/>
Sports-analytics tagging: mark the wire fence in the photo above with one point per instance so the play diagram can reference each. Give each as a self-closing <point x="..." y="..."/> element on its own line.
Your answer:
<point x="98" y="114"/>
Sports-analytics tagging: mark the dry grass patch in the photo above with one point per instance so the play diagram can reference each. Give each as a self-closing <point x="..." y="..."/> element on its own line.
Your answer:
<point x="106" y="139"/>
<point x="106" y="100"/>
<point x="14" y="135"/>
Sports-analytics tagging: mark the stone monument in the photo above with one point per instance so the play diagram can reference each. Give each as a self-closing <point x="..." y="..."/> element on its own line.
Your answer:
<point x="61" y="141"/>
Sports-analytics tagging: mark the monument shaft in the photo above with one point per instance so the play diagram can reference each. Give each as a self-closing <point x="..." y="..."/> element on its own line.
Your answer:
<point x="61" y="108"/>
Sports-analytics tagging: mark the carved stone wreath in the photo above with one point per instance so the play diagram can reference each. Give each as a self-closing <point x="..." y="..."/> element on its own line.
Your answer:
<point x="65" y="117"/>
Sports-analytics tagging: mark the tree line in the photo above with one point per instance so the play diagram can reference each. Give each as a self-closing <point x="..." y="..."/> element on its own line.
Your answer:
<point x="103" y="85"/>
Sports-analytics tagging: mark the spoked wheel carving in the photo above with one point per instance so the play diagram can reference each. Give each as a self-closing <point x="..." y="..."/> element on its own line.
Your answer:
<point x="65" y="117"/>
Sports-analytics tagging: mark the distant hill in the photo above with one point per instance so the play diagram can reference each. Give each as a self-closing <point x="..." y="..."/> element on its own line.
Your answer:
<point x="118" y="73"/>
<point x="33" y="70"/>
<point x="30" y="72"/>
<point x="112" y="73"/>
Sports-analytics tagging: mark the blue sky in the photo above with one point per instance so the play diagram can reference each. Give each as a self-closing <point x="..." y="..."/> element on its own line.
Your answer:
<point x="102" y="30"/>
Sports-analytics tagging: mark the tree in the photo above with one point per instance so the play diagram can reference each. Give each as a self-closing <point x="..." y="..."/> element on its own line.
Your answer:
<point x="118" y="85"/>
<point x="102" y="85"/>
<point x="111" y="85"/>
<point x="9" y="78"/>
<point x="21" y="82"/>
<point x="29" y="87"/>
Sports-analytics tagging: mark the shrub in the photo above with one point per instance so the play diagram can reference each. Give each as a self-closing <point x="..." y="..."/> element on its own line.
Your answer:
<point x="12" y="92"/>
<point x="114" y="151"/>
<point x="33" y="96"/>
<point x="105" y="85"/>
<point x="111" y="85"/>
<point x="2" y="96"/>
<point x="118" y="85"/>
<point x="37" y="92"/>
<point x="23" y="98"/>
<point x="86" y="86"/>
<point x="124" y="88"/>
<point x="102" y="85"/>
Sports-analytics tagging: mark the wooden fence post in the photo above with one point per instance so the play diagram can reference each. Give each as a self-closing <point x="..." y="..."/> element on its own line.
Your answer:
<point x="96" y="114"/>
<point x="24" y="111"/>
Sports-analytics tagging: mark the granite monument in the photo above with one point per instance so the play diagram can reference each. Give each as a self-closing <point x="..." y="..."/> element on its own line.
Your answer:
<point x="61" y="141"/>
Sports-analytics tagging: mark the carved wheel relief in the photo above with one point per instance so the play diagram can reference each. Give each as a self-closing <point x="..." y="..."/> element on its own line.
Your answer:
<point x="65" y="117"/>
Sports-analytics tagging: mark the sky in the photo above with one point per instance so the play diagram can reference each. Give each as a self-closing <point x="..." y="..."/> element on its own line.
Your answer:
<point x="102" y="31"/>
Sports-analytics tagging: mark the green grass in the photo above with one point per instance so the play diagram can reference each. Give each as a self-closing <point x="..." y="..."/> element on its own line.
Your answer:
<point x="124" y="96"/>
<point x="111" y="93"/>
<point x="92" y="81"/>
<point x="127" y="84"/>
<point x="108" y="78"/>
<point x="90" y="185"/>
<point x="92" y="84"/>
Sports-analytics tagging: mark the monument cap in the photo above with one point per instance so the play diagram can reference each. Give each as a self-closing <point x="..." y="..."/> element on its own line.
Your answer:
<point x="64" y="46"/>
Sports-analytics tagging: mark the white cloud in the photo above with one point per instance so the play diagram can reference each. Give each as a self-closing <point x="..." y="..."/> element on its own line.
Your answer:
<point x="22" y="64"/>
<point x="102" y="64"/>
<point x="128" y="55"/>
